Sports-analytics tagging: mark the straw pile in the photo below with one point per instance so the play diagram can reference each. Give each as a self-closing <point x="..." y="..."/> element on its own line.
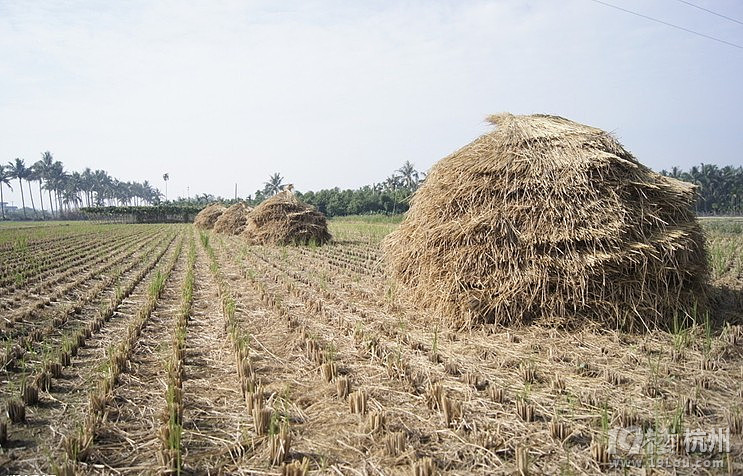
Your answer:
<point x="544" y="219"/>
<point x="207" y="217"/>
<point x="283" y="220"/>
<point x="232" y="221"/>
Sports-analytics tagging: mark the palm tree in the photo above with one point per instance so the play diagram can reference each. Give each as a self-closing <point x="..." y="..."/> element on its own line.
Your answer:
<point x="274" y="184"/>
<point x="18" y="170"/>
<point x="56" y="182"/>
<point x="71" y="190"/>
<point x="149" y="193"/>
<point x="86" y="184"/>
<point x="72" y="187"/>
<point x="38" y="170"/>
<point x="31" y="175"/>
<point x="409" y="175"/>
<point x="101" y="183"/>
<point x="45" y="165"/>
<point x="392" y="183"/>
<point x="5" y="177"/>
<point x="166" y="177"/>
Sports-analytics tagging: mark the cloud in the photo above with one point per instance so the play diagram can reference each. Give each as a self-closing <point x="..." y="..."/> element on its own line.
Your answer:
<point x="341" y="93"/>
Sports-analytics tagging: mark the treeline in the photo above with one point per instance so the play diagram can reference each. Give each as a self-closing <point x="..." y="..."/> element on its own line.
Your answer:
<point x="720" y="188"/>
<point x="162" y="213"/>
<point x="391" y="196"/>
<point x="720" y="192"/>
<point x="68" y="190"/>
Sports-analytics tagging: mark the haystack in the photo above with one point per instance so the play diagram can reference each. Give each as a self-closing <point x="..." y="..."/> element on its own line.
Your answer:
<point x="232" y="221"/>
<point x="207" y="217"/>
<point x="544" y="219"/>
<point x="283" y="219"/>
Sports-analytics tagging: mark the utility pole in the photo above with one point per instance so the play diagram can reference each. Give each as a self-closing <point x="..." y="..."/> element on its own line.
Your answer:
<point x="235" y="191"/>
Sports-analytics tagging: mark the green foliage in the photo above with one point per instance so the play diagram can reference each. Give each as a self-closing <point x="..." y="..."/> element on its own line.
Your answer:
<point x="720" y="188"/>
<point x="146" y="214"/>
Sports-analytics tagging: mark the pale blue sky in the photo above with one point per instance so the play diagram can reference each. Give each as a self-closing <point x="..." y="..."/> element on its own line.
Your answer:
<point x="341" y="93"/>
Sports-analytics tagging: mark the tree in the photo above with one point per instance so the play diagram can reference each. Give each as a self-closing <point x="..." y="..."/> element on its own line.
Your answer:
<point x="31" y="175"/>
<point x="70" y="190"/>
<point x="149" y="193"/>
<point x="720" y="189"/>
<point x="409" y="175"/>
<point x="18" y="170"/>
<point x="5" y="177"/>
<point x="86" y="184"/>
<point x="393" y="183"/>
<point x="39" y="170"/>
<point x="55" y="182"/>
<point x="166" y="177"/>
<point x="45" y="166"/>
<point x="274" y="184"/>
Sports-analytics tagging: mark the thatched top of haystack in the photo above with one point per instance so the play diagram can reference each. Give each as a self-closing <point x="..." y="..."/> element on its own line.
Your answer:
<point x="207" y="217"/>
<point x="283" y="219"/>
<point x="232" y="221"/>
<point x="568" y="170"/>
<point x="545" y="218"/>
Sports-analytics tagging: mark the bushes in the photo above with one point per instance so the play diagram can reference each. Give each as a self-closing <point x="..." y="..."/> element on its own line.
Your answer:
<point x="151" y="214"/>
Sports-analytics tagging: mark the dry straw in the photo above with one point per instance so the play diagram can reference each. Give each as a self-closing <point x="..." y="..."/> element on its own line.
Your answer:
<point x="207" y="217"/>
<point x="283" y="220"/>
<point x="544" y="219"/>
<point x="232" y="221"/>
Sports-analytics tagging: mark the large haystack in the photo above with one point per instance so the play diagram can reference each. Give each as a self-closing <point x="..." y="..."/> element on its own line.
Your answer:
<point x="544" y="219"/>
<point x="283" y="220"/>
<point x="232" y="221"/>
<point x="207" y="217"/>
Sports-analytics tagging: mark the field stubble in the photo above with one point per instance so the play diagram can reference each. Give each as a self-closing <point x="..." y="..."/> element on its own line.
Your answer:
<point x="281" y="360"/>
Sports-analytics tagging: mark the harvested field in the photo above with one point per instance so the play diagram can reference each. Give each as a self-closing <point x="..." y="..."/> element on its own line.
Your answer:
<point x="146" y="349"/>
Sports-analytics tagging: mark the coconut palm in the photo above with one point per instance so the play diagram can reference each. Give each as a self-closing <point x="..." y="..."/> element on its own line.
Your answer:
<point x="19" y="171"/>
<point x="274" y="184"/>
<point x="55" y="182"/>
<point x="101" y="186"/>
<point x="392" y="184"/>
<point x="72" y="187"/>
<point x="71" y="190"/>
<point x="45" y="167"/>
<point x="86" y="184"/>
<point x="5" y="177"/>
<point x="409" y="175"/>
<point x="149" y="193"/>
<point x="166" y="177"/>
<point x="38" y="172"/>
<point x="31" y="176"/>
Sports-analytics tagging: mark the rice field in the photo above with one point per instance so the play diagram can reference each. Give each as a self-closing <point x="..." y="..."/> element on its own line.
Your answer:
<point x="162" y="349"/>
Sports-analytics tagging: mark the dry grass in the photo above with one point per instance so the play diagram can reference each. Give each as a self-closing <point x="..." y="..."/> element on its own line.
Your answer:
<point x="207" y="217"/>
<point x="546" y="220"/>
<point x="305" y="360"/>
<point x="232" y="221"/>
<point x="283" y="220"/>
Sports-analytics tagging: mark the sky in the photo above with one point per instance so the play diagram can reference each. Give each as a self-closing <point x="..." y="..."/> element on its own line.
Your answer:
<point x="339" y="93"/>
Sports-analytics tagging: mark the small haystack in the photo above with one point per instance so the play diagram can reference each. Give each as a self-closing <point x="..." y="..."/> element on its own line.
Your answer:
<point x="283" y="220"/>
<point x="232" y="221"/>
<point x="207" y="217"/>
<point x="544" y="219"/>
